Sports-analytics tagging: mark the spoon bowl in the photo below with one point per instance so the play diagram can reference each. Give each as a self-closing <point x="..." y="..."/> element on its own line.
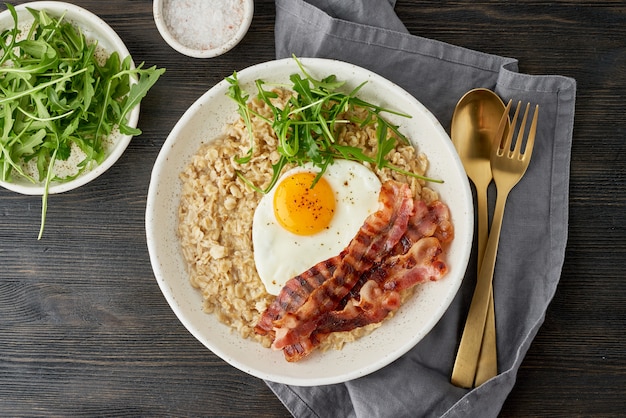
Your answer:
<point x="474" y="125"/>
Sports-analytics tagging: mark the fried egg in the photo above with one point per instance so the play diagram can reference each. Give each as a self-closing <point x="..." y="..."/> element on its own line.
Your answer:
<point x="296" y="226"/>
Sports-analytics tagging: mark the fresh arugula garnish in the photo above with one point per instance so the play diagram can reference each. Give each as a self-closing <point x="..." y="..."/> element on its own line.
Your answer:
<point x="306" y="126"/>
<point x="55" y="94"/>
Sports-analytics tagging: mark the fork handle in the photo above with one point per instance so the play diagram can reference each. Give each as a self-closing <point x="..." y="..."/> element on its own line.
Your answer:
<point x="467" y="356"/>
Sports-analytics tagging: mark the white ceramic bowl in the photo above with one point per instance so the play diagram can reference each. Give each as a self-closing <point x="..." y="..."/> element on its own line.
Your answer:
<point x="93" y="28"/>
<point x="203" y="28"/>
<point x="204" y="121"/>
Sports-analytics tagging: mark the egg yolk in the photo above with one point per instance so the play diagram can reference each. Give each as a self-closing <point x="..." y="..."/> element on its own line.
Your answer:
<point x="301" y="209"/>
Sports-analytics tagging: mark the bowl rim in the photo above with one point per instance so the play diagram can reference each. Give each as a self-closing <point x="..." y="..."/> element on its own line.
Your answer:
<point x="172" y="41"/>
<point x="86" y="19"/>
<point x="186" y="314"/>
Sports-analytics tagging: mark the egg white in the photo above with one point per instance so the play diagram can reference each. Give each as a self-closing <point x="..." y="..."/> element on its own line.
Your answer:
<point x="280" y="255"/>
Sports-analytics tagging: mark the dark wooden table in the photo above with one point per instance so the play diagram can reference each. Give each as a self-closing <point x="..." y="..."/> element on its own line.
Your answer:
<point x="85" y="330"/>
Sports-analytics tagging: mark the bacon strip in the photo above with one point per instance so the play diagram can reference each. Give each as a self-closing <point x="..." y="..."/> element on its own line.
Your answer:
<point x="379" y="234"/>
<point x="370" y="308"/>
<point x="422" y="263"/>
<point x="295" y="293"/>
<point x="379" y="295"/>
<point x="426" y="221"/>
<point x="440" y="214"/>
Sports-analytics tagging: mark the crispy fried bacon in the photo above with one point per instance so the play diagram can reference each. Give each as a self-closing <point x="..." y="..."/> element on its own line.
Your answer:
<point x="427" y="221"/>
<point x="397" y="247"/>
<point x="420" y="264"/>
<point x="379" y="295"/>
<point x="380" y="232"/>
<point x="295" y="293"/>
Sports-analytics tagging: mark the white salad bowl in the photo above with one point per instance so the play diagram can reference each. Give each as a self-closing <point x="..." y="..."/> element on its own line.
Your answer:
<point x="203" y="122"/>
<point x="94" y="29"/>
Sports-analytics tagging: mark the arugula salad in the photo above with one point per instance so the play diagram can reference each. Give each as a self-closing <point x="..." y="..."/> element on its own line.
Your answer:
<point x="58" y="96"/>
<point x="305" y="126"/>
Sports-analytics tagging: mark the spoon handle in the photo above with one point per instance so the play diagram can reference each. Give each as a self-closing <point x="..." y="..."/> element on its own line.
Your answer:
<point x="488" y="359"/>
<point x="483" y="222"/>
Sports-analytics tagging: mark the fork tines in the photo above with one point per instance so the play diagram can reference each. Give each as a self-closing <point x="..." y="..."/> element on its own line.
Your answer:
<point x="515" y="148"/>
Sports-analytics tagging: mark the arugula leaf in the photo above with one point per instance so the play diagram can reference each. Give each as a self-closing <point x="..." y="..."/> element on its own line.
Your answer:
<point x="55" y="95"/>
<point x="241" y="98"/>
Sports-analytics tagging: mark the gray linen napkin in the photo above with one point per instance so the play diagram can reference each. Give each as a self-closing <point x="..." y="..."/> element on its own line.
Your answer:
<point x="368" y="33"/>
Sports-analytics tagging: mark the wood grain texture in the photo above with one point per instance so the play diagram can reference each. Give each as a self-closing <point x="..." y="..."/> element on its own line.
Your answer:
<point x="84" y="329"/>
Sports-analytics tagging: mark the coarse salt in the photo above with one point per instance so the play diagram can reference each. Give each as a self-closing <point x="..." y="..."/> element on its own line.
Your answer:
<point x="203" y="24"/>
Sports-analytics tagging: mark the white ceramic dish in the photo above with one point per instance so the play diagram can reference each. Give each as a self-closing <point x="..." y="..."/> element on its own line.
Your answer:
<point x="93" y="28"/>
<point x="203" y="28"/>
<point x="202" y="122"/>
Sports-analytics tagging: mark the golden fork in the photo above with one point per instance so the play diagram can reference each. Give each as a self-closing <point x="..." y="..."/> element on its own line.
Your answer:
<point x="508" y="167"/>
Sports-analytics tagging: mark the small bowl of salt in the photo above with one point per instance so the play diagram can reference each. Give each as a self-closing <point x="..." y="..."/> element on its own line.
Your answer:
<point x="203" y="28"/>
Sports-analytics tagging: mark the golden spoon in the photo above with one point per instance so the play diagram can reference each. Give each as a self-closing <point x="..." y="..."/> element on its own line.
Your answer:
<point x="474" y="125"/>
